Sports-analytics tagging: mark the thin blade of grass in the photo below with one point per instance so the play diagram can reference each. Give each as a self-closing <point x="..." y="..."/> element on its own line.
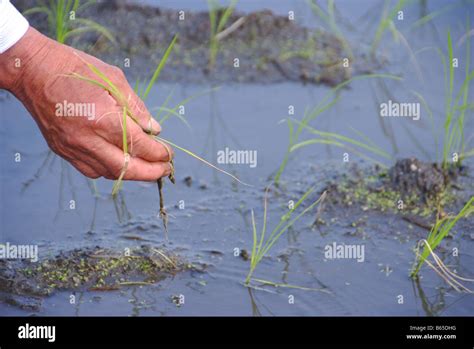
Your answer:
<point x="159" y="68"/>
<point x="202" y="160"/>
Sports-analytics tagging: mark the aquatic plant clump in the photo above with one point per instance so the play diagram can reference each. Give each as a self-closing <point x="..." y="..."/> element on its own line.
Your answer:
<point x="101" y="269"/>
<point x="410" y="186"/>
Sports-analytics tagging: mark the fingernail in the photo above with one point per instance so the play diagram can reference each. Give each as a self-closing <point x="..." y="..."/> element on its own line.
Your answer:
<point x="155" y="126"/>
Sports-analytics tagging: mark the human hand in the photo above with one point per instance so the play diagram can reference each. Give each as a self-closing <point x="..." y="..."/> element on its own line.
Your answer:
<point x="82" y="122"/>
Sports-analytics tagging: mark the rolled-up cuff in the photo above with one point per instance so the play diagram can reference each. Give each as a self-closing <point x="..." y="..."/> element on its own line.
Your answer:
<point x="12" y="25"/>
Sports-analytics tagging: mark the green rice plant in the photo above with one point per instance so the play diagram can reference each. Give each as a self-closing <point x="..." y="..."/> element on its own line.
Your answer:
<point x="63" y="22"/>
<point x="262" y="245"/>
<point x="457" y="106"/>
<point x="217" y="24"/>
<point x="329" y="100"/>
<point x="386" y="22"/>
<point x="329" y="19"/>
<point x="438" y="233"/>
<point x="165" y="112"/>
<point x="342" y="141"/>
<point x="144" y="90"/>
<point x="144" y="94"/>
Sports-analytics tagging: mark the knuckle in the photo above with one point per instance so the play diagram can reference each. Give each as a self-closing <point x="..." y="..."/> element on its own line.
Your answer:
<point x="115" y="172"/>
<point x="118" y="72"/>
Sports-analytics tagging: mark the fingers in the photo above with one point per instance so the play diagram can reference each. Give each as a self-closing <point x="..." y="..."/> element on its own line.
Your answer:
<point x="147" y="148"/>
<point x="136" y="105"/>
<point x="149" y="159"/>
<point x="141" y="113"/>
<point x="137" y="169"/>
<point x="140" y="144"/>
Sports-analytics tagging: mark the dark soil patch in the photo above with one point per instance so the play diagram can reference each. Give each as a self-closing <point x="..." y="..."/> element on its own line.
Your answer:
<point x="270" y="48"/>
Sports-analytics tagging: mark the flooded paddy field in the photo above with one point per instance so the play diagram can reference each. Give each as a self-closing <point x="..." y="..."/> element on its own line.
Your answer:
<point x="385" y="178"/>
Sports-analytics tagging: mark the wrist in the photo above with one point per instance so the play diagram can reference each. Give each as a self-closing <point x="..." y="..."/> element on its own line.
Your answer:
<point x="21" y="58"/>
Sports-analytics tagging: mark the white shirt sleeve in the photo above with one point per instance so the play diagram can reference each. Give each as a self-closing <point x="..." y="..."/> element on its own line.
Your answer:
<point x="12" y="25"/>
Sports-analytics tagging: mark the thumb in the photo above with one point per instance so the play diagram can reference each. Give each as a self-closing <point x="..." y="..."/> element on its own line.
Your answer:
<point x="142" y="115"/>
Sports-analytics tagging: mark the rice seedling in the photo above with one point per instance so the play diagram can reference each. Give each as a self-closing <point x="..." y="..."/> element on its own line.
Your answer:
<point x="144" y="96"/>
<point x="386" y="22"/>
<point x="329" y="19"/>
<point x="105" y="83"/>
<point x="262" y="245"/>
<point x="456" y="107"/>
<point x="63" y="22"/>
<point x="218" y="18"/>
<point x="329" y="100"/>
<point x="342" y="141"/>
<point x="441" y="229"/>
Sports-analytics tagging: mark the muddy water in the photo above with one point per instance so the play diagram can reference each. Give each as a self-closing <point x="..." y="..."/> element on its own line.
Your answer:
<point x="36" y="194"/>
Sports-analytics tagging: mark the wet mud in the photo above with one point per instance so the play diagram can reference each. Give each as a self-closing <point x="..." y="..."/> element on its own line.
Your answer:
<point x="269" y="48"/>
